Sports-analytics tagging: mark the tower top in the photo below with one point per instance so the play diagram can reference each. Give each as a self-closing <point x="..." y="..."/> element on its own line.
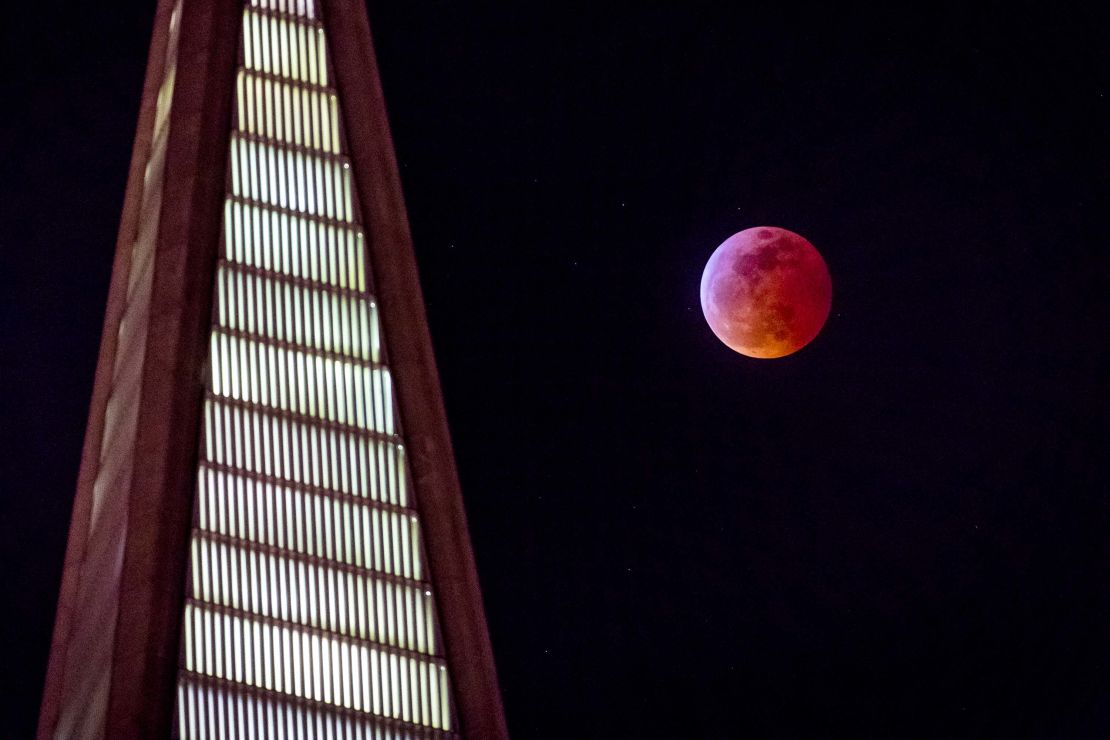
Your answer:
<point x="268" y="535"/>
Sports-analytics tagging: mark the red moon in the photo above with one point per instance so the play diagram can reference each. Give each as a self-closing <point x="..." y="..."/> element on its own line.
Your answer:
<point x="766" y="292"/>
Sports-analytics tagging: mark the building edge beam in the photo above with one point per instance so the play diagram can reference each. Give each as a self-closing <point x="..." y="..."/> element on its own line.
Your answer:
<point x="160" y="505"/>
<point x="408" y="344"/>
<point x="102" y="384"/>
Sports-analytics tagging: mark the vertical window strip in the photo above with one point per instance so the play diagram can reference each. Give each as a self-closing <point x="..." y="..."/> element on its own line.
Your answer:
<point x="322" y="57"/>
<point x="311" y="45"/>
<point x="333" y="111"/>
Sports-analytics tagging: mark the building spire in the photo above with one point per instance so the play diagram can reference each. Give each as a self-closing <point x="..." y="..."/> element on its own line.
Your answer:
<point x="271" y="541"/>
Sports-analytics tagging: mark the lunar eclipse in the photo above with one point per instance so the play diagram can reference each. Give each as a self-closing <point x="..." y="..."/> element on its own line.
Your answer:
<point x="766" y="292"/>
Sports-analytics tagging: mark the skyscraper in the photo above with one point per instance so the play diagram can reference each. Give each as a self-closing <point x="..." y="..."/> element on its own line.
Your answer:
<point x="268" y="538"/>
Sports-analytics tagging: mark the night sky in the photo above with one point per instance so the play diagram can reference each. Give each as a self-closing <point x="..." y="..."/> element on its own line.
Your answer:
<point x="899" y="531"/>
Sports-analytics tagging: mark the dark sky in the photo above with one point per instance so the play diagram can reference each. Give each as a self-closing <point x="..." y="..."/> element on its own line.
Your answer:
<point x="899" y="531"/>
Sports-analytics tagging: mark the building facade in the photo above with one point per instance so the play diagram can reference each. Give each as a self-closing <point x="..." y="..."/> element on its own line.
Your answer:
<point x="268" y="538"/>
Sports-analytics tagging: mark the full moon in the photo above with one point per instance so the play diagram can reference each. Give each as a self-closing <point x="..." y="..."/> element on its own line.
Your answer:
<point x="766" y="292"/>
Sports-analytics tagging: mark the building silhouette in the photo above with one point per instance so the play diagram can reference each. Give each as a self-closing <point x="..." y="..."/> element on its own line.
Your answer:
<point x="268" y="538"/>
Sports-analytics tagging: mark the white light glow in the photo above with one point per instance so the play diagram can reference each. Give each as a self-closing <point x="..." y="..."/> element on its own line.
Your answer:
<point x="308" y="612"/>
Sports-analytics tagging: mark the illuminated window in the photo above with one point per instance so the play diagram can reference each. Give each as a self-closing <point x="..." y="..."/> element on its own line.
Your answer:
<point x="308" y="611"/>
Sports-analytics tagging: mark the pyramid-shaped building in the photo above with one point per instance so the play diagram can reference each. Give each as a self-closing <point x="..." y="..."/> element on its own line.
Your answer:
<point x="268" y="538"/>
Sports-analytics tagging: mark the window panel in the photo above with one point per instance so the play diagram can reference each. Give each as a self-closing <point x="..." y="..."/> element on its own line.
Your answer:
<point x="307" y="603"/>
